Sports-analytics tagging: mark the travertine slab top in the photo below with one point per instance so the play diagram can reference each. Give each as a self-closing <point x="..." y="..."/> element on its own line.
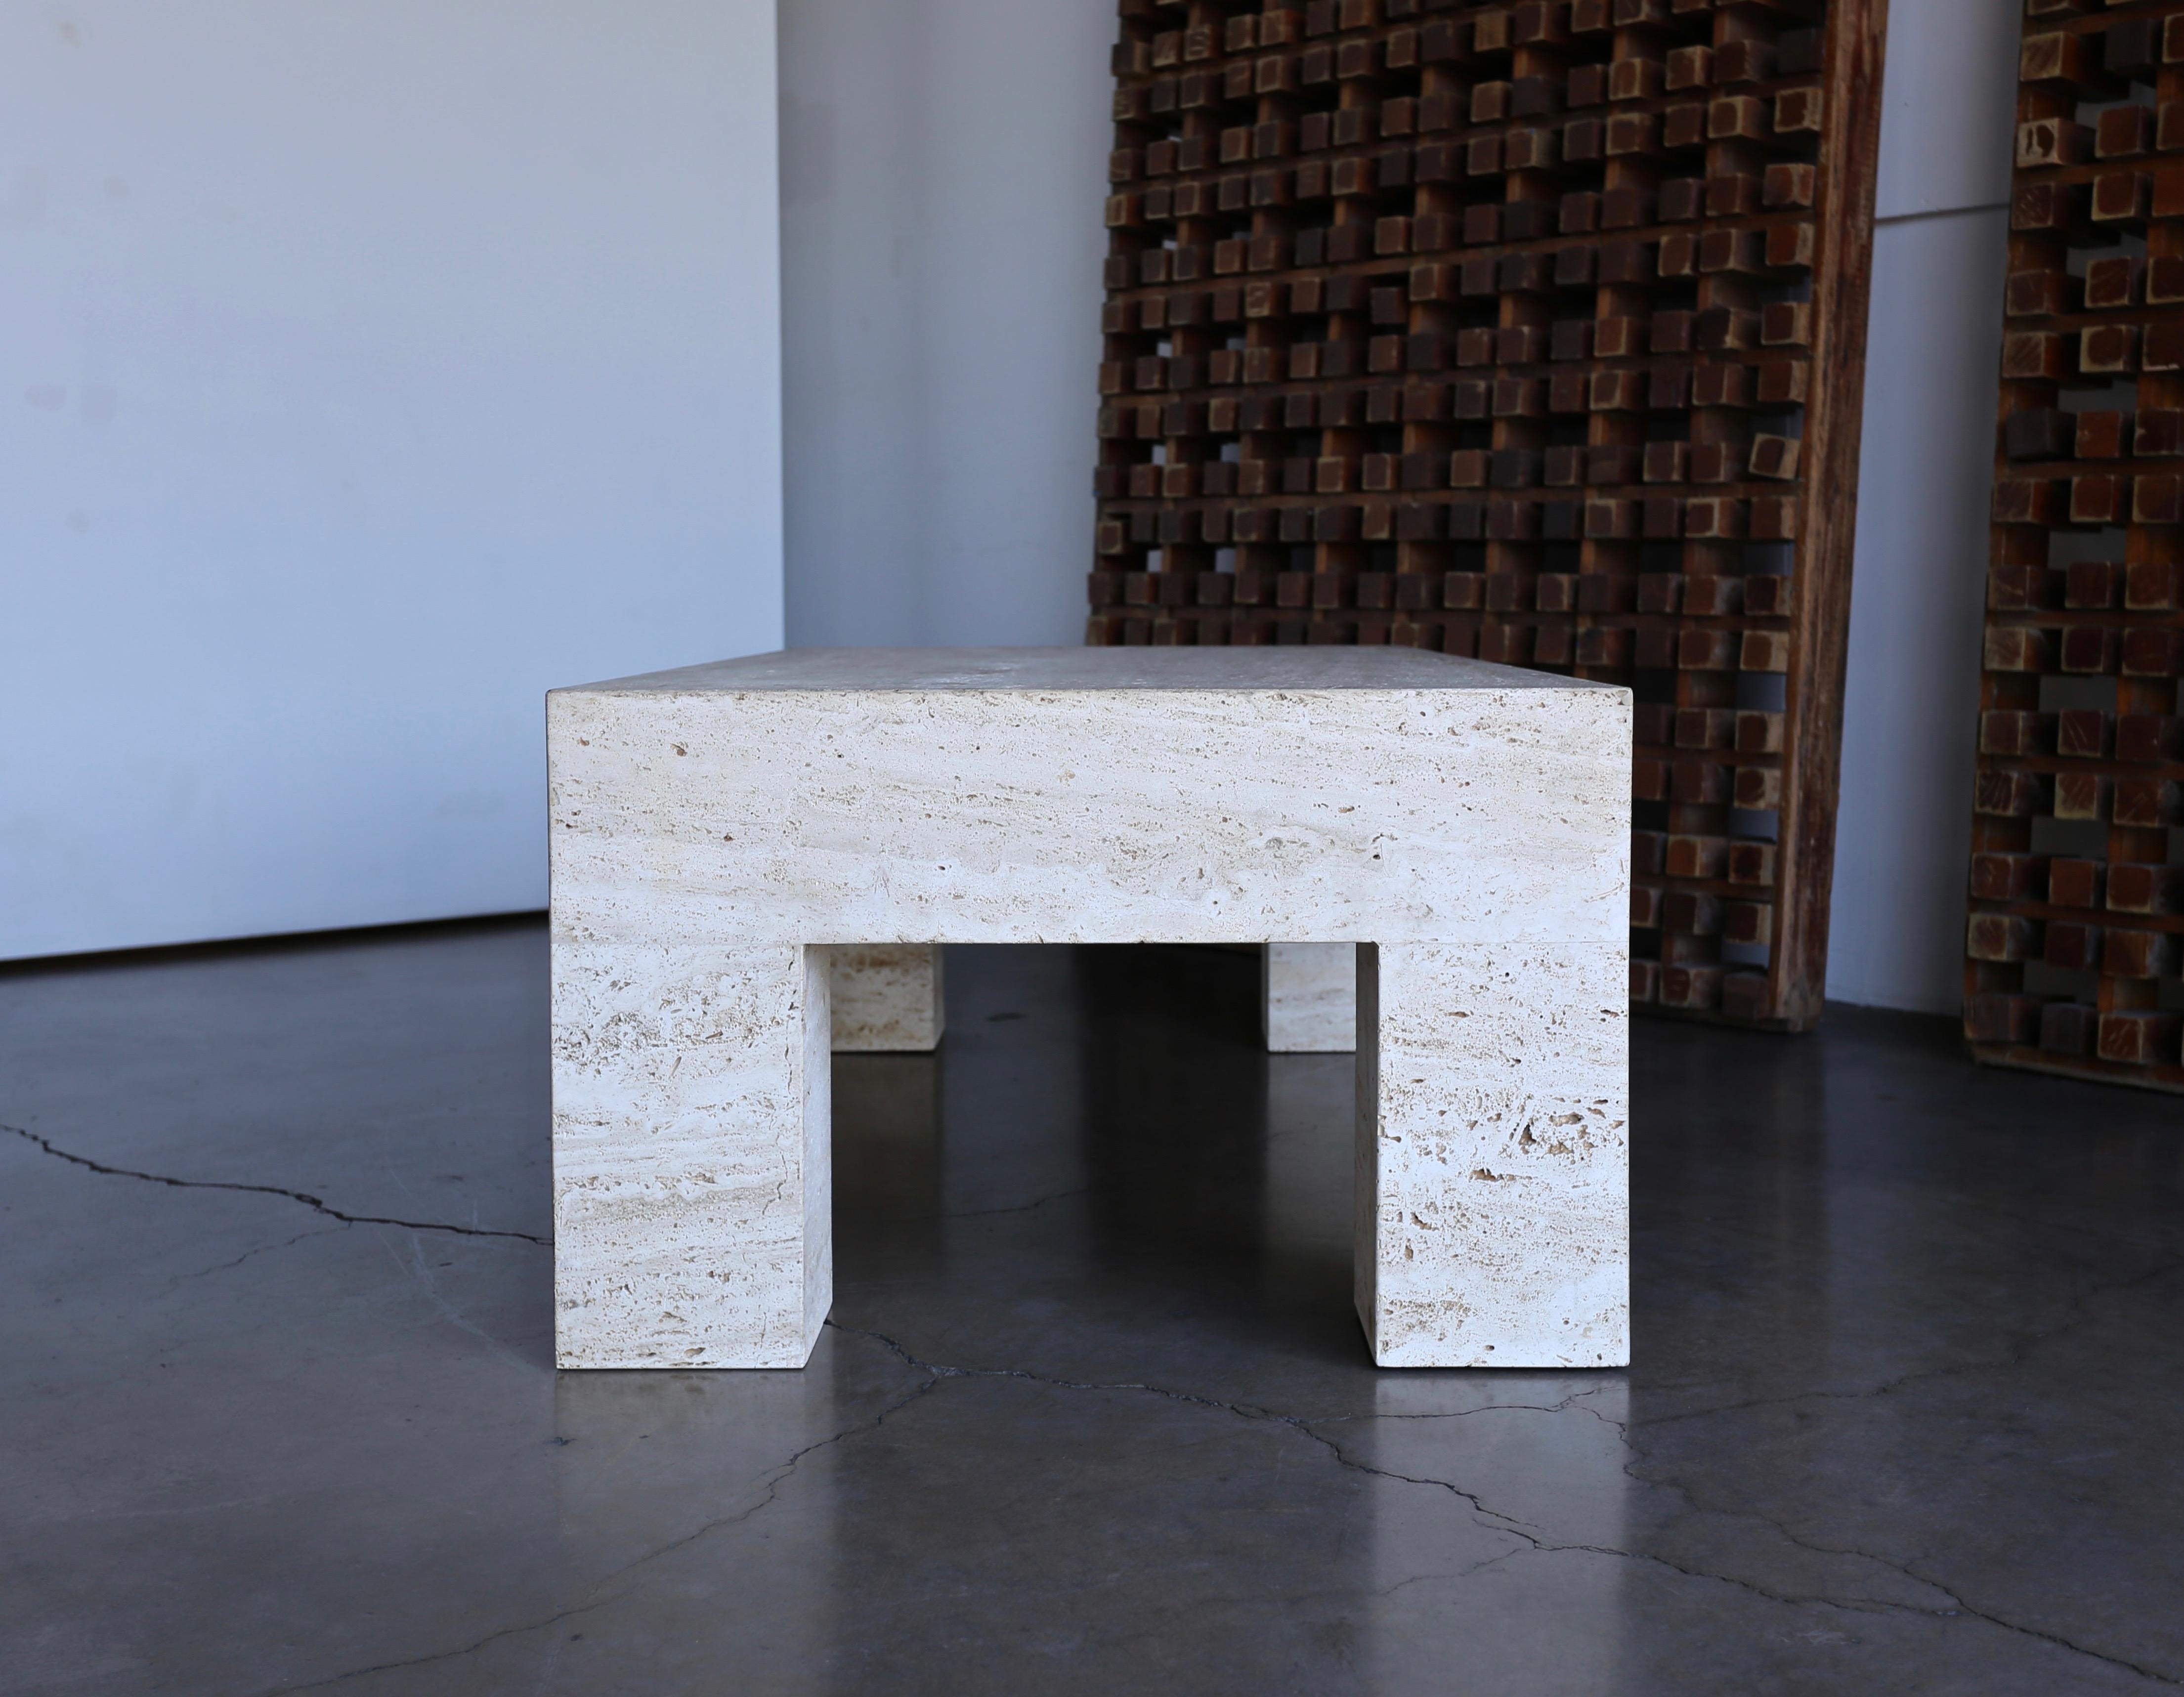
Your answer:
<point x="851" y="795"/>
<point x="716" y="831"/>
<point x="1091" y="668"/>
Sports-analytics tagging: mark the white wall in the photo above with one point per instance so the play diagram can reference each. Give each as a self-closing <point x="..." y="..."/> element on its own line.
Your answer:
<point x="942" y="171"/>
<point x="370" y="366"/>
<point x="943" y="168"/>
<point x="1903" y="834"/>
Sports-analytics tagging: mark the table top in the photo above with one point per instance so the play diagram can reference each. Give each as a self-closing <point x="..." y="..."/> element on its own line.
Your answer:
<point x="974" y="670"/>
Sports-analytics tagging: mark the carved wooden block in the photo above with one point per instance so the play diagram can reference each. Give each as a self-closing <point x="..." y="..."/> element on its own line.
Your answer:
<point x="2072" y="948"/>
<point x="1527" y="332"/>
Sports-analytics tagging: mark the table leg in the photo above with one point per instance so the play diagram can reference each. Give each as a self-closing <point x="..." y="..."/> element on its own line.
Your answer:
<point x="1308" y="997"/>
<point x="887" y="997"/>
<point x="1493" y="1155"/>
<point x="692" y="1201"/>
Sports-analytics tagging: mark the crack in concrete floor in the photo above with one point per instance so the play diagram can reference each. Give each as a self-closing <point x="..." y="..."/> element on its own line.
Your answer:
<point x="769" y="1485"/>
<point x="317" y="1203"/>
<point x="1524" y="1530"/>
<point x="1492" y="1519"/>
<point x="1698" y="1491"/>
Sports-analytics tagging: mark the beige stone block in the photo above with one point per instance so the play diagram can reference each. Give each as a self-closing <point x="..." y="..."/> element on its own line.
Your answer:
<point x="1493" y="1154"/>
<point x="886" y="998"/>
<point x="716" y="833"/>
<point x="693" y="1214"/>
<point x="1308" y="997"/>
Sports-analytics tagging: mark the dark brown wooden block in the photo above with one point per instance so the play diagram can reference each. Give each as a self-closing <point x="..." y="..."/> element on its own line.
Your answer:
<point x="1475" y="327"/>
<point x="2078" y="739"/>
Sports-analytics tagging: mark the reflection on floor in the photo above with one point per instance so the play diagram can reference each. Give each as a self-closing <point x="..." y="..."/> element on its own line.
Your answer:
<point x="1093" y="1414"/>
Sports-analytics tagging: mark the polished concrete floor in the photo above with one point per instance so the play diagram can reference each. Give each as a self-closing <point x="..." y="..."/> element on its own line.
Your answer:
<point x="1093" y="1414"/>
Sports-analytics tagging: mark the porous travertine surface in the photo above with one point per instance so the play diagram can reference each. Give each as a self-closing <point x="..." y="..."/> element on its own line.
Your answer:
<point x="714" y="829"/>
<point x="1493" y="1154"/>
<point x="1308" y="997"/>
<point x="886" y="998"/>
<point x="986" y="669"/>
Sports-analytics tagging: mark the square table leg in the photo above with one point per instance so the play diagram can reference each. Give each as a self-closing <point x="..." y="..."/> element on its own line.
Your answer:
<point x="889" y="998"/>
<point x="693" y="1212"/>
<point x="1493" y="1151"/>
<point x="1308" y="997"/>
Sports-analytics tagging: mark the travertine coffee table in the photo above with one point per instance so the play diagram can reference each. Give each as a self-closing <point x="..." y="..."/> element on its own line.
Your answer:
<point x="717" y="831"/>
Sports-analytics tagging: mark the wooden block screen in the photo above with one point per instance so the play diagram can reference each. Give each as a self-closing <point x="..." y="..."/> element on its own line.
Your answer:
<point x="1533" y="333"/>
<point x="2077" y="883"/>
